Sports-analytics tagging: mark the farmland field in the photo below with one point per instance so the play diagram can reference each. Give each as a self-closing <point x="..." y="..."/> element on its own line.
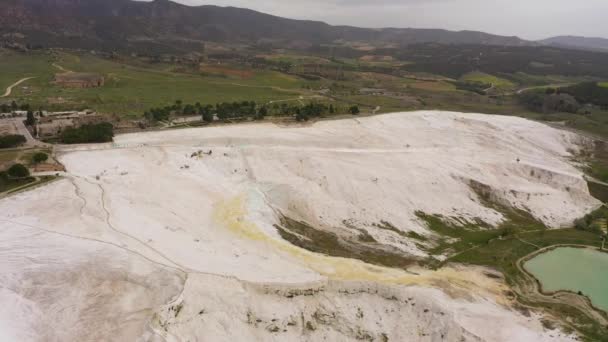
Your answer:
<point x="130" y="90"/>
<point x="476" y="76"/>
<point x="134" y="85"/>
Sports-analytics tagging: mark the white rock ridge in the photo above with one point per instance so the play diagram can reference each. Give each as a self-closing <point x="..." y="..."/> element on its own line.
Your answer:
<point x="153" y="238"/>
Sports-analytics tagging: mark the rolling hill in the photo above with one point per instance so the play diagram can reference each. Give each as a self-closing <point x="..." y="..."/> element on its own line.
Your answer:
<point x="126" y="24"/>
<point x="584" y="43"/>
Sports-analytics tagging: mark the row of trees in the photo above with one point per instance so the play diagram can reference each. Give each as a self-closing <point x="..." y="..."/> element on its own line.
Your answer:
<point x="16" y="171"/>
<point x="587" y="92"/>
<point x="6" y="108"/>
<point x="313" y="110"/>
<point x="92" y="133"/>
<point x="244" y="109"/>
<point x="549" y="102"/>
<point x="11" y="140"/>
<point x="223" y="110"/>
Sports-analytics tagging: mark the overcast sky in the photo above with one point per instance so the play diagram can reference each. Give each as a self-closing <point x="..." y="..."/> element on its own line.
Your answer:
<point x="530" y="19"/>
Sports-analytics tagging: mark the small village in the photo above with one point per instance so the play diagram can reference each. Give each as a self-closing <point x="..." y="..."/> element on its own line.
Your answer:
<point x="49" y="125"/>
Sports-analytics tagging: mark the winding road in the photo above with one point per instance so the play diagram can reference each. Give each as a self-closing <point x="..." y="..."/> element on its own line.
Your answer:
<point x="9" y="90"/>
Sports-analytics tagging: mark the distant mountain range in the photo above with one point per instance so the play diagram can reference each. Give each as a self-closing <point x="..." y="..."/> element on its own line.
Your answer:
<point x="585" y="43"/>
<point x="162" y="24"/>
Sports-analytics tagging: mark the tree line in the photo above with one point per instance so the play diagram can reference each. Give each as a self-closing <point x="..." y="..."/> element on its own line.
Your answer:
<point x="244" y="109"/>
<point x="13" y="106"/>
<point x="588" y="92"/>
<point x="91" y="133"/>
<point x="223" y="110"/>
<point x="14" y="176"/>
<point x="565" y="99"/>
<point x="11" y="140"/>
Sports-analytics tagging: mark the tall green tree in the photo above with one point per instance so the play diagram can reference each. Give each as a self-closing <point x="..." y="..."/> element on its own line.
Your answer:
<point x="30" y="120"/>
<point x="40" y="157"/>
<point x="18" y="171"/>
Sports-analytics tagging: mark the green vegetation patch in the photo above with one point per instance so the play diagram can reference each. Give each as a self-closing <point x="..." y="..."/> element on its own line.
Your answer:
<point x="588" y="92"/>
<point x="296" y="59"/>
<point x="599" y="191"/>
<point x="455" y="235"/>
<point x="7" y="184"/>
<point x="482" y="77"/>
<point x="15" y="66"/>
<point x="603" y="84"/>
<point x="129" y="90"/>
<point x="11" y="140"/>
<point x="518" y="236"/>
<point x="503" y="255"/>
<point x="30" y="183"/>
<point x="315" y="240"/>
<point x="95" y="133"/>
<point x="597" y="166"/>
<point x="434" y="85"/>
<point x="8" y="156"/>
<point x="15" y="176"/>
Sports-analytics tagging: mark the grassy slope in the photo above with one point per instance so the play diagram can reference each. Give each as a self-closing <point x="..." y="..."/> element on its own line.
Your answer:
<point x="7" y="157"/>
<point x="296" y="59"/>
<point x="7" y="185"/>
<point x="132" y="90"/>
<point x="14" y="67"/>
<point x="477" y="76"/>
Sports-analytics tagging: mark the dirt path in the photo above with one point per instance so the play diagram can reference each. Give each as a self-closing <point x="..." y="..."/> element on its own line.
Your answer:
<point x="9" y="90"/>
<point x="555" y="85"/>
<point x="593" y="180"/>
<point x="61" y="68"/>
<point x="488" y="89"/>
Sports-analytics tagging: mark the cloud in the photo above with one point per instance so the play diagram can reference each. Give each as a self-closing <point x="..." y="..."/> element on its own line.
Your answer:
<point x="532" y="19"/>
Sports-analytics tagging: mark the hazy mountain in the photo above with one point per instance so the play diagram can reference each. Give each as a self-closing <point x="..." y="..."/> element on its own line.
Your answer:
<point x="125" y="23"/>
<point x="585" y="43"/>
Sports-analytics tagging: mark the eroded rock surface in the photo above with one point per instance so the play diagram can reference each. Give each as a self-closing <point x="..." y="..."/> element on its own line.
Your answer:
<point x="177" y="235"/>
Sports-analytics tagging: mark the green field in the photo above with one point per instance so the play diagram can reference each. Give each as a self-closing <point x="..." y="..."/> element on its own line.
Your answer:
<point x="14" y="67"/>
<point x="603" y="84"/>
<point x="130" y="90"/>
<point x="296" y="59"/>
<point x="528" y="80"/>
<point x="134" y="85"/>
<point x="481" y="77"/>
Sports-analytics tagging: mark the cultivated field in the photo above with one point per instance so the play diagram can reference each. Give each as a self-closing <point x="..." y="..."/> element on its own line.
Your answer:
<point x="130" y="90"/>
<point x="497" y="82"/>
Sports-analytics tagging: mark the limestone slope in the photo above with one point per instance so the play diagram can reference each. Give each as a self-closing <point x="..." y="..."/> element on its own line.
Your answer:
<point x="176" y="235"/>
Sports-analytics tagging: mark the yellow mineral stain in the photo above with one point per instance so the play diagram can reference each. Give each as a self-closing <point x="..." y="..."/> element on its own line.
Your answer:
<point x="231" y="214"/>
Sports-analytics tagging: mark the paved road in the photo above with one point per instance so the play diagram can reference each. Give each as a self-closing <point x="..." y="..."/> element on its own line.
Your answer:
<point x="20" y="127"/>
<point x="22" y="130"/>
<point x="9" y="90"/>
